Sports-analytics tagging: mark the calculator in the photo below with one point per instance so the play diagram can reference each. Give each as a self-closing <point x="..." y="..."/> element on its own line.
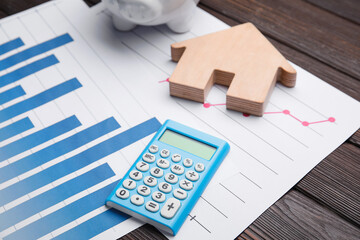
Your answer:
<point x="169" y="176"/>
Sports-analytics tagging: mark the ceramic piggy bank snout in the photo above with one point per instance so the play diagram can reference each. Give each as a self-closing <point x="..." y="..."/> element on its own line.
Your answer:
<point x="177" y="14"/>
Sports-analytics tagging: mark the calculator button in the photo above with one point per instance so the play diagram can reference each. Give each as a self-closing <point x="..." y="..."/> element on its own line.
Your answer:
<point x="165" y="187"/>
<point x="163" y="163"/>
<point x="170" y="208"/>
<point x="153" y="148"/>
<point x="176" y="157"/>
<point x="158" y="196"/>
<point x="143" y="190"/>
<point x="199" y="167"/>
<point x="180" y="194"/>
<point x="177" y="169"/>
<point x="187" y="185"/>
<point x="129" y="184"/>
<point x="142" y="166"/>
<point x="164" y="153"/>
<point x="137" y="200"/>
<point x="122" y="193"/>
<point x="188" y="162"/>
<point x="152" y="206"/>
<point x="157" y="172"/>
<point x="171" y="178"/>
<point x="148" y="157"/>
<point x="136" y="175"/>
<point x="150" y="181"/>
<point x="192" y="175"/>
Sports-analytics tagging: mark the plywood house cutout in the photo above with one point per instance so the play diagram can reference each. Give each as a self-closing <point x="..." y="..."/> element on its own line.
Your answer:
<point x="240" y="58"/>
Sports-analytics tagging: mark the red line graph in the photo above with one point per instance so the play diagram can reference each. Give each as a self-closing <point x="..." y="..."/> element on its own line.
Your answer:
<point x="285" y="112"/>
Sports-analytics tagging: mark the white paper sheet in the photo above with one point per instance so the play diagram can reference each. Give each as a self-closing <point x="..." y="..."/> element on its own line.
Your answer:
<point x="123" y="75"/>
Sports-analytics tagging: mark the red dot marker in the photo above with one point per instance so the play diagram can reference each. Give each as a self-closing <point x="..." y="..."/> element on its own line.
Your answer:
<point x="207" y="105"/>
<point x="286" y="112"/>
<point x="331" y="119"/>
<point x="305" y="123"/>
<point x="246" y="115"/>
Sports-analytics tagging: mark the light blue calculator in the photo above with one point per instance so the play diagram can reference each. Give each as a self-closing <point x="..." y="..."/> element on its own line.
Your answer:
<point x="167" y="179"/>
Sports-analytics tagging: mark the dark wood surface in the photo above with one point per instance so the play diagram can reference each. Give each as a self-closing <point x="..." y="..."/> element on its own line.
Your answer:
<point x="323" y="37"/>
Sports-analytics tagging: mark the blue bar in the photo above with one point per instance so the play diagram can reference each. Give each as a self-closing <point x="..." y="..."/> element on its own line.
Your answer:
<point x="11" y="45"/>
<point x="58" y="149"/>
<point x="94" y="226"/>
<point x="39" y="99"/>
<point x="63" y="216"/>
<point x="54" y="196"/>
<point x="11" y="94"/>
<point x="15" y="128"/>
<point x="34" y="51"/>
<point x="27" y="70"/>
<point x="78" y="161"/>
<point x="38" y="138"/>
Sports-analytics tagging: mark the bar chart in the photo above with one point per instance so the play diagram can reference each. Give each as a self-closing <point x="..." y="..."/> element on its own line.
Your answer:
<point x="74" y="139"/>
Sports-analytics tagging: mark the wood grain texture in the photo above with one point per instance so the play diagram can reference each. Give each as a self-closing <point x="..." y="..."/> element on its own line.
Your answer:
<point x="301" y="26"/>
<point x="335" y="182"/>
<point x="296" y="216"/>
<point x="348" y="9"/>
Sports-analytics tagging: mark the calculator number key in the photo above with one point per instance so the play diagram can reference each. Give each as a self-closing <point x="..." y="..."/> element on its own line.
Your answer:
<point x="171" y="178"/>
<point x="180" y="194"/>
<point x="129" y="184"/>
<point x="143" y="190"/>
<point x="185" y="184"/>
<point x="152" y="206"/>
<point x="170" y="208"/>
<point x="163" y="163"/>
<point x="192" y="175"/>
<point x="176" y="157"/>
<point x="153" y="148"/>
<point x="199" y="167"/>
<point x="177" y="169"/>
<point x="148" y="157"/>
<point x="137" y="200"/>
<point x="136" y="175"/>
<point x="150" y="181"/>
<point x="188" y="162"/>
<point x="142" y="166"/>
<point x="122" y="193"/>
<point x="164" y="153"/>
<point x="165" y="187"/>
<point x="157" y="172"/>
<point x="158" y="196"/>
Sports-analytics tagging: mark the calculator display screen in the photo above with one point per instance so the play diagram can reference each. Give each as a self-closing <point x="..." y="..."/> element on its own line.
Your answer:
<point x="188" y="144"/>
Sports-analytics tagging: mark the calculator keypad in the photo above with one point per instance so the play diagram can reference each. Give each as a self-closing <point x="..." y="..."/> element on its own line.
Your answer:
<point x="150" y="181"/>
<point x="165" y="187"/>
<point x="170" y="208"/>
<point x="185" y="184"/>
<point x="129" y="184"/>
<point x="173" y="179"/>
<point x="192" y="175"/>
<point x="177" y="169"/>
<point x="136" y="175"/>
<point x="163" y="163"/>
<point x="152" y="206"/>
<point x="137" y="200"/>
<point x="142" y="166"/>
<point x="157" y="172"/>
<point x="144" y="190"/>
<point x="158" y="196"/>
<point x="188" y="162"/>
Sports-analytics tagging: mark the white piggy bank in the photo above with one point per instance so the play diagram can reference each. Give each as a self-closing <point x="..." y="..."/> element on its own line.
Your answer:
<point x="177" y="14"/>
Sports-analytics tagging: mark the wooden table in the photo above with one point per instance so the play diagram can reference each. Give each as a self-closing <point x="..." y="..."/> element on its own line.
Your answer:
<point x="323" y="37"/>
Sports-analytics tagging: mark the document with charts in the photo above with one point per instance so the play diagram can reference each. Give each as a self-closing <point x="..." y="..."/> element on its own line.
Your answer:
<point x="79" y="101"/>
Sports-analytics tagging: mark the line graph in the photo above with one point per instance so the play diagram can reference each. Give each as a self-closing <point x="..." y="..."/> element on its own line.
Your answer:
<point x="285" y="112"/>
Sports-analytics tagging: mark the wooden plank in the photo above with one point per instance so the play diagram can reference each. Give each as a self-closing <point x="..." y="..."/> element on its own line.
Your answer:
<point x="355" y="138"/>
<point x="301" y="26"/>
<point x="296" y="216"/>
<point x="12" y="7"/>
<point x="146" y="231"/>
<point x="348" y="9"/>
<point x="335" y="182"/>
